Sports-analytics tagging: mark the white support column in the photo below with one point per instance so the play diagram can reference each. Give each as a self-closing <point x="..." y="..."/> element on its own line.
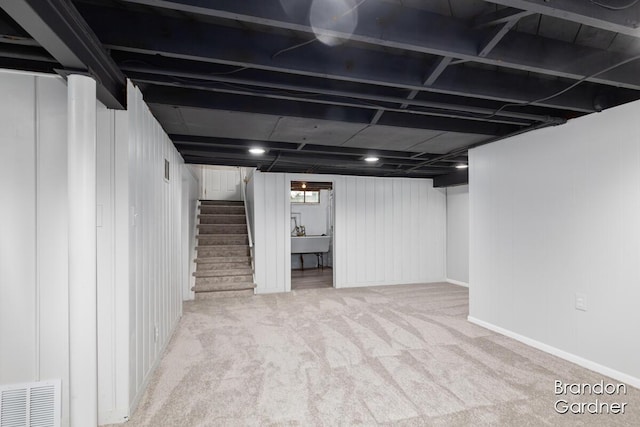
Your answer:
<point x="81" y="170"/>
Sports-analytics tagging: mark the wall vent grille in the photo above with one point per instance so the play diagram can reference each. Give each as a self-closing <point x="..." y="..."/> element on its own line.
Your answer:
<point x="33" y="405"/>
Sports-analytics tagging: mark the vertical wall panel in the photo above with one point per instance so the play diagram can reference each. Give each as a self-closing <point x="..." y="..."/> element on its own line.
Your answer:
<point x="18" y="145"/>
<point x="33" y="226"/>
<point x="539" y="235"/>
<point x="52" y="231"/>
<point x="156" y="248"/>
<point x="387" y="231"/>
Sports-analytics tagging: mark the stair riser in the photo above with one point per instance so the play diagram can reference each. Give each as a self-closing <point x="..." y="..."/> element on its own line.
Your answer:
<point x="223" y="219"/>
<point x="207" y="281"/>
<point x="222" y="273"/>
<point x="222" y="266"/>
<point x="225" y="294"/>
<point x="222" y="229"/>
<point x="223" y="259"/>
<point x="229" y="286"/>
<point x="223" y="251"/>
<point x="222" y="210"/>
<point x="222" y="240"/>
<point x="221" y="203"/>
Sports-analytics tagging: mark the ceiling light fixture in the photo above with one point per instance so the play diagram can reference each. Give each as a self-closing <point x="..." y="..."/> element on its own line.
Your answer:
<point x="462" y="166"/>
<point x="257" y="150"/>
<point x="304" y="185"/>
<point x="371" y="159"/>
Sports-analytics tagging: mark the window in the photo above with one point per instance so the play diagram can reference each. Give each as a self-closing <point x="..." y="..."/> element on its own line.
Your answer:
<point x="305" y="196"/>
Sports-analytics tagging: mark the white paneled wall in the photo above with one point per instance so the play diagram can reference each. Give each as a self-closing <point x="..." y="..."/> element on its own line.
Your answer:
<point x="458" y="235"/>
<point x="387" y="231"/>
<point x="34" y="325"/>
<point x="190" y="196"/>
<point x="271" y="223"/>
<point x="555" y="213"/>
<point x="112" y="199"/>
<point x="142" y="236"/>
<point x="157" y="274"/>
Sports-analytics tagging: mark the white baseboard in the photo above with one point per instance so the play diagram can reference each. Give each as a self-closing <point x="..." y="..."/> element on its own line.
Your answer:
<point x="585" y="363"/>
<point x="457" y="282"/>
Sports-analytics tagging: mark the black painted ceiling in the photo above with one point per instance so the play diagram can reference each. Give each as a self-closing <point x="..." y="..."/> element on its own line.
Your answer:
<point x="322" y="84"/>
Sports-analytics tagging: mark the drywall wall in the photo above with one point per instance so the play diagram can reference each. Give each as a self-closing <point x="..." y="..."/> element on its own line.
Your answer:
<point x="554" y="213"/>
<point x="34" y="337"/>
<point x="387" y="231"/>
<point x="458" y="235"/>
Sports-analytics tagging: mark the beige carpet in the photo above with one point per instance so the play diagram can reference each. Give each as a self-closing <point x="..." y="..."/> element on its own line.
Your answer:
<point x="393" y="355"/>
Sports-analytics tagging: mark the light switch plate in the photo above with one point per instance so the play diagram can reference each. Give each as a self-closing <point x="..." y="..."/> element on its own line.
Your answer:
<point x="581" y="302"/>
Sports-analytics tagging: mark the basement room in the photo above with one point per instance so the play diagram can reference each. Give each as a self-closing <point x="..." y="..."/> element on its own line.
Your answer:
<point x="319" y="213"/>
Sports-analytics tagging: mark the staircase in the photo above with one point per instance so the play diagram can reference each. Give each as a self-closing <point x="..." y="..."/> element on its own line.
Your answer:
<point x="223" y="265"/>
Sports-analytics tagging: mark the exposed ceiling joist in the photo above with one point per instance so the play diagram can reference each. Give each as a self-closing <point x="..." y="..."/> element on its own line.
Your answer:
<point x="391" y="25"/>
<point x="453" y="80"/>
<point x="336" y="151"/>
<point x="310" y="94"/>
<point x="58" y="27"/>
<point x="236" y="101"/>
<point x="625" y="21"/>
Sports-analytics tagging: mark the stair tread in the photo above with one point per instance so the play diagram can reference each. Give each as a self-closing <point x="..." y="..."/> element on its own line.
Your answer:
<point x="234" y="246"/>
<point x="223" y="214"/>
<point x="224" y="286"/>
<point x="223" y="225"/>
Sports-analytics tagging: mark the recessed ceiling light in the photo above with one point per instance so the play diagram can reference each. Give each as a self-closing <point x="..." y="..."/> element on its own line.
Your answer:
<point x="257" y="150"/>
<point x="371" y="159"/>
<point x="304" y="185"/>
<point x="462" y="166"/>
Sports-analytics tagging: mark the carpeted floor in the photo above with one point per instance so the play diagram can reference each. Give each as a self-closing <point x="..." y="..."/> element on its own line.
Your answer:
<point x="392" y="355"/>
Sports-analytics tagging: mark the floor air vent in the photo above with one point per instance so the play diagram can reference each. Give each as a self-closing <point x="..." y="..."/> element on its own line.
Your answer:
<point x="30" y="405"/>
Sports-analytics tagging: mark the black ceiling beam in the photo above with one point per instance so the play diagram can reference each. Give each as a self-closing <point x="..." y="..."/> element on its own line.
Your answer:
<point x="169" y="37"/>
<point x="308" y="148"/>
<point x="306" y="156"/>
<point x="180" y="96"/>
<point x="304" y="160"/>
<point x="58" y="27"/>
<point x="296" y="168"/>
<point x="584" y="12"/>
<point x="230" y="84"/>
<point x="456" y="85"/>
<point x="392" y="26"/>
<point x="454" y="82"/>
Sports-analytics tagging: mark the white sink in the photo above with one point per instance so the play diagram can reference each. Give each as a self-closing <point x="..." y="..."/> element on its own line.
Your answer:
<point x="310" y="244"/>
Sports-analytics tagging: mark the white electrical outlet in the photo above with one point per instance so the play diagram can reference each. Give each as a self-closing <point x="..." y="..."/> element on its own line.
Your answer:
<point x="581" y="302"/>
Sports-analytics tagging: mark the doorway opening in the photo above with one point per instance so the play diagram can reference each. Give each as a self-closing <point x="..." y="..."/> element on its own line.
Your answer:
<point x="312" y="216"/>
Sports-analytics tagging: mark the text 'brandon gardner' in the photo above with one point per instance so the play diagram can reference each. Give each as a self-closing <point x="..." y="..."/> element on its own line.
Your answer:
<point x="601" y="388"/>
